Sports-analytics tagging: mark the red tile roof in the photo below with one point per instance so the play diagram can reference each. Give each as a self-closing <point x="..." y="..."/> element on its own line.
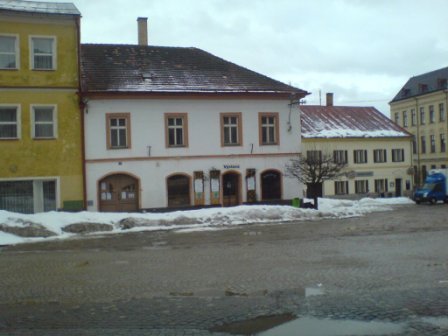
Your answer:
<point x="347" y="122"/>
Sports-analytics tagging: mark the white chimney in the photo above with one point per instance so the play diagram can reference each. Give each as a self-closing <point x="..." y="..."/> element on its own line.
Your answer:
<point x="142" y="23"/>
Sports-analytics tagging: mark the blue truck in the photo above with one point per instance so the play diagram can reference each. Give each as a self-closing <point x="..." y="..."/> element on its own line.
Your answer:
<point x="435" y="188"/>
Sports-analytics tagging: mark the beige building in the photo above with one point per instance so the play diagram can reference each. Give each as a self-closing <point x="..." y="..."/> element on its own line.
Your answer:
<point x="420" y="107"/>
<point x="376" y="150"/>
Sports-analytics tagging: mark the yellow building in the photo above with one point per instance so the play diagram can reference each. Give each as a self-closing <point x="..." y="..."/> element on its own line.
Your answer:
<point x="376" y="151"/>
<point x="420" y="107"/>
<point x="40" y="121"/>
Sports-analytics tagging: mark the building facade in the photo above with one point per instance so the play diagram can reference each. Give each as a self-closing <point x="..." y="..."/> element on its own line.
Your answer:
<point x="420" y="107"/>
<point x="179" y="127"/>
<point x="40" y="120"/>
<point x="377" y="152"/>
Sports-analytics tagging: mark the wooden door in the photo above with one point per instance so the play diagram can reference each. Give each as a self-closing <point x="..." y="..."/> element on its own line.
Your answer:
<point x="231" y="189"/>
<point x="118" y="193"/>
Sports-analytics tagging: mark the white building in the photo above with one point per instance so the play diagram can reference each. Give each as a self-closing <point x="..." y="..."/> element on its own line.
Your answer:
<point x="179" y="127"/>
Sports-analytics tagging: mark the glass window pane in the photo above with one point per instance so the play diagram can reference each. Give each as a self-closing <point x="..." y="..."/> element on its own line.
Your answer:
<point x="121" y="122"/>
<point x="234" y="138"/>
<point x="114" y="138"/>
<point x="271" y="134"/>
<point x="8" y="114"/>
<point x="43" y="62"/>
<point x="113" y="122"/>
<point x="179" y="136"/>
<point x="49" y="189"/>
<point x="170" y="121"/>
<point x="7" y="61"/>
<point x="264" y="138"/>
<point x="17" y="196"/>
<point x="8" y="131"/>
<point x="171" y="140"/>
<point x="43" y="114"/>
<point x="43" y="131"/>
<point x="43" y="45"/>
<point x="122" y="136"/>
<point x="7" y="44"/>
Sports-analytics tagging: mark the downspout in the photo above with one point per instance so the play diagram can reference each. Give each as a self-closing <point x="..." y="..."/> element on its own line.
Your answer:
<point x="81" y="110"/>
<point x="417" y="141"/>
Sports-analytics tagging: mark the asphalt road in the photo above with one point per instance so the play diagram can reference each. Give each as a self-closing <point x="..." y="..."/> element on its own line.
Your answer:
<point x="388" y="267"/>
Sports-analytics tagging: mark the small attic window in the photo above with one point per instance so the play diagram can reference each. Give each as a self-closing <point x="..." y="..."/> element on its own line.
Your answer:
<point x="422" y="88"/>
<point x="405" y="92"/>
<point x="442" y="83"/>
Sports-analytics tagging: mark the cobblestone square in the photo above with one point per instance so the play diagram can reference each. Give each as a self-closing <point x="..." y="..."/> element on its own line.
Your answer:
<point x="386" y="267"/>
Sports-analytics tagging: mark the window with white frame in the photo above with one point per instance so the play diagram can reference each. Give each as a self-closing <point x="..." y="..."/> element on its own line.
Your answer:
<point x="9" y="122"/>
<point x="379" y="156"/>
<point x="341" y="187"/>
<point x="360" y="156"/>
<point x="398" y="155"/>
<point x="44" y="122"/>
<point x="340" y="156"/>
<point x="397" y="117"/>
<point x="361" y="186"/>
<point x="43" y="53"/>
<point x="381" y="186"/>
<point x="8" y="52"/>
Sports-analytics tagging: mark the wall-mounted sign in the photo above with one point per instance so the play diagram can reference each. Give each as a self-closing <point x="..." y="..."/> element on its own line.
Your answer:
<point x="232" y="166"/>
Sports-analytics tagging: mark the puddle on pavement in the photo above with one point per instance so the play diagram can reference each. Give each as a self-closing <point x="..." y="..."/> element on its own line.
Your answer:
<point x="441" y="322"/>
<point x="313" y="291"/>
<point x="288" y="324"/>
<point x="327" y="327"/>
<point x="254" y="326"/>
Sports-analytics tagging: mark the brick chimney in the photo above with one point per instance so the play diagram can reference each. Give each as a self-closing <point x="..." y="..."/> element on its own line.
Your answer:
<point x="329" y="99"/>
<point x="142" y="23"/>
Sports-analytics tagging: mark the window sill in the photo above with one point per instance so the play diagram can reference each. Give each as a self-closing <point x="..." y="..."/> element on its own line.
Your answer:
<point x="115" y="148"/>
<point x="9" y="69"/>
<point x="9" y="139"/>
<point x="43" y="139"/>
<point x="269" y="144"/>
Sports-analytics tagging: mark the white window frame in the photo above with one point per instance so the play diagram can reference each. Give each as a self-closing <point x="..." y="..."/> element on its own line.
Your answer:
<point x="379" y="156"/>
<point x="341" y="188"/>
<point x="54" y="122"/>
<point x="340" y="156"/>
<point x="18" y="122"/>
<point x="360" y="156"/>
<point x="398" y="155"/>
<point x="16" y="51"/>
<point x="361" y="186"/>
<point x="54" y="53"/>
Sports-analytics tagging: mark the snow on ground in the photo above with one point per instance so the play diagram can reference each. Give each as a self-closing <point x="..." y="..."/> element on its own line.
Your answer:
<point x="56" y="223"/>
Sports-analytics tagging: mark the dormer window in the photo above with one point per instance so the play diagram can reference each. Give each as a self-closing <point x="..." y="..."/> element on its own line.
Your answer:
<point x="442" y="83"/>
<point x="422" y="88"/>
<point x="405" y="92"/>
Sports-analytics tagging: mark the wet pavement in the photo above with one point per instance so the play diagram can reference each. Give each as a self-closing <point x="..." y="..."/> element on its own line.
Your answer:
<point x="383" y="274"/>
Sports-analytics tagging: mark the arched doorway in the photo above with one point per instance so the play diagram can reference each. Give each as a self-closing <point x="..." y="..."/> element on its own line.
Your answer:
<point x="271" y="185"/>
<point x="178" y="187"/>
<point x="231" y="189"/>
<point x="118" y="193"/>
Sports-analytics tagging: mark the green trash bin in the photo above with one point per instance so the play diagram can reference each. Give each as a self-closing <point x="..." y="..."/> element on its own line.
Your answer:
<point x="296" y="202"/>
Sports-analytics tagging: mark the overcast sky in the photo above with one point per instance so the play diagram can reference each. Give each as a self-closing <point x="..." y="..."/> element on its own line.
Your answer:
<point x="363" y="51"/>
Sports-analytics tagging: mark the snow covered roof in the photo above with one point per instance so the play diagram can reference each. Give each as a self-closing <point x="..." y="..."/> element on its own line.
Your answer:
<point x="347" y="122"/>
<point x="143" y="69"/>
<point x="423" y="84"/>
<point x="62" y="8"/>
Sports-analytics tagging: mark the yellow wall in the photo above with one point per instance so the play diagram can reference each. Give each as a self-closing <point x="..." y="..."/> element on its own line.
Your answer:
<point x="387" y="170"/>
<point x="427" y="129"/>
<point x="65" y="31"/>
<point x="61" y="157"/>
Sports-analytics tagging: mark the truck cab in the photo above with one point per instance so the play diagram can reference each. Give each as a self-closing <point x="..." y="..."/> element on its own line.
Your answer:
<point x="434" y="189"/>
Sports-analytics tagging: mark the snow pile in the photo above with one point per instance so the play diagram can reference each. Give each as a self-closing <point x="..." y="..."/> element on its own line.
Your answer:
<point x="19" y="228"/>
